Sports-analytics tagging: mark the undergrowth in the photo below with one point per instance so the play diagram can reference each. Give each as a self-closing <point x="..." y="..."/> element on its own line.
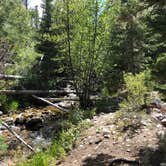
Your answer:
<point x="128" y="122"/>
<point x="64" y="140"/>
<point x="3" y="145"/>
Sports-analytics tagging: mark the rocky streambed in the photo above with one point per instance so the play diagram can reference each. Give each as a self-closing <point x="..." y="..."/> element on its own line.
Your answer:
<point x="37" y="126"/>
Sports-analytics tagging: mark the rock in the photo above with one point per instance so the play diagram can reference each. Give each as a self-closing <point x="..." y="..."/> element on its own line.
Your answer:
<point x="107" y="136"/>
<point x="90" y="142"/>
<point x="20" y="120"/>
<point x="81" y="146"/>
<point x="34" y="124"/>
<point x="65" y="104"/>
<point x="106" y="131"/>
<point x="1" y="113"/>
<point x="161" y="133"/>
<point x="158" y="116"/>
<point x="9" y="121"/>
<point x="164" y="122"/>
<point x="114" y="143"/>
<point x="98" y="141"/>
<point x="158" y="125"/>
<point x="128" y="150"/>
<point x="2" y="127"/>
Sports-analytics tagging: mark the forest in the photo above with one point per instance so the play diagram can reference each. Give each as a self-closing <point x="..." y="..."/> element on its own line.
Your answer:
<point x="83" y="83"/>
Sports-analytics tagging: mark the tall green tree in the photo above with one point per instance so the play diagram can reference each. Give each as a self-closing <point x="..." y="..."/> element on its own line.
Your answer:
<point x="156" y="36"/>
<point x="82" y="36"/>
<point x="125" y="46"/>
<point x="16" y="30"/>
<point x="49" y="67"/>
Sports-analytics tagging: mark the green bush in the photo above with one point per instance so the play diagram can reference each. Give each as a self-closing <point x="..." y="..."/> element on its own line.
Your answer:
<point x="3" y="145"/>
<point x="8" y="104"/>
<point x="89" y="114"/>
<point x="68" y="138"/>
<point x="39" y="159"/>
<point x="159" y="69"/>
<point x="128" y="122"/>
<point x="75" y="116"/>
<point x="13" y="106"/>
<point x="159" y="74"/>
<point x="137" y="91"/>
<point x="56" y="150"/>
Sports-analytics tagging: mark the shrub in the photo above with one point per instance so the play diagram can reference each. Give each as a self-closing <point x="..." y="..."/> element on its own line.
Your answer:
<point x="13" y="106"/>
<point x="8" y="104"/>
<point x="89" y="114"/>
<point x="56" y="150"/>
<point x="3" y="145"/>
<point x="39" y="159"/>
<point x="135" y="86"/>
<point x="159" y="69"/>
<point x="76" y="116"/>
<point x="128" y="122"/>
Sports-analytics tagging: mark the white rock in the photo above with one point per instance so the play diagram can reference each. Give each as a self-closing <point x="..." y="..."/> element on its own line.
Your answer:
<point x="106" y="131"/>
<point x="107" y="136"/>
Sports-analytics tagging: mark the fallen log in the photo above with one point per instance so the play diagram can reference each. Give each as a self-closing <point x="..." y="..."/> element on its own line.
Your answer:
<point x="10" y="77"/>
<point x="50" y="103"/>
<point x="70" y="99"/>
<point x="62" y="99"/>
<point x="17" y="136"/>
<point x="30" y="92"/>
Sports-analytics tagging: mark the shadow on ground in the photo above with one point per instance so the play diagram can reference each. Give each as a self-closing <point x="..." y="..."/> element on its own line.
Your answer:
<point x="152" y="157"/>
<point x="107" y="160"/>
<point x="99" y="160"/>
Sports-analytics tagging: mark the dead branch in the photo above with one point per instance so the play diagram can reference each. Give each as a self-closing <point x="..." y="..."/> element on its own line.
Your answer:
<point x="17" y="136"/>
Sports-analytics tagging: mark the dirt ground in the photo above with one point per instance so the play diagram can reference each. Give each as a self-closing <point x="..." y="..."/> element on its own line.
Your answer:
<point x="102" y="144"/>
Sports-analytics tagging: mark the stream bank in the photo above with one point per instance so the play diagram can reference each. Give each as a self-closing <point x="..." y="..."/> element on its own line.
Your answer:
<point x="37" y="126"/>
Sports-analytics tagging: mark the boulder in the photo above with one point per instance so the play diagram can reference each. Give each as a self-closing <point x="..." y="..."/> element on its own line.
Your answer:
<point x="106" y="131"/>
<point x="1" y="113"/>
<point x="34" y="123"/>
<point x="20" y="120"/>
<point x="9" y="121"/>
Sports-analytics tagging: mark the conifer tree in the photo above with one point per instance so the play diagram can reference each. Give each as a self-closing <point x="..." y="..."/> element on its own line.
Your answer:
<point x="49" y="65"/>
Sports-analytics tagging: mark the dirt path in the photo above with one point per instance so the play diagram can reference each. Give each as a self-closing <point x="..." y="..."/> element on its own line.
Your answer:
<point x="102" y="143"/>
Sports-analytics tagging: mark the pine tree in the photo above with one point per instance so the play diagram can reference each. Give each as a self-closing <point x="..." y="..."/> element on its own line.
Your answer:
<point x="50" y="63"/>
<point x="156" y="36"/>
